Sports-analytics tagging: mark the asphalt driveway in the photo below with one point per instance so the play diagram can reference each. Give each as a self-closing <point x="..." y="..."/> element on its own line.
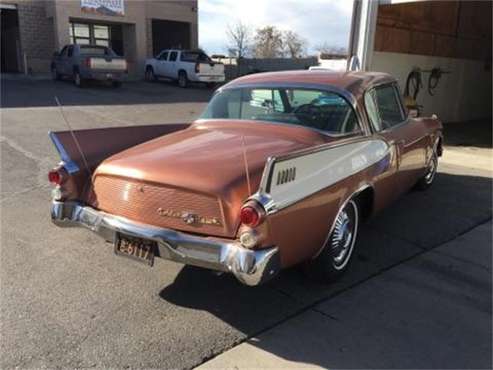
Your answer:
<point x="67" y="301"/>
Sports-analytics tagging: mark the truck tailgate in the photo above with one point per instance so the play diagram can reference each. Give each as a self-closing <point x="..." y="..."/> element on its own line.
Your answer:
<point x="108" y="64"/>
<point x="211" y="69"/>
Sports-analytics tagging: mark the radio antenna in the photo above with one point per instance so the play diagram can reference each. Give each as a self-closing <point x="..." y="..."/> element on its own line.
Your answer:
<point x="84" y="160"/>
<point x="245" y="161"/>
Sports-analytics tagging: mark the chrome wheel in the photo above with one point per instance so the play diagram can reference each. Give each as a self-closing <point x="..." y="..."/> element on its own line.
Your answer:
<point x="344" y="234"/>
<point x="432" y="169"/>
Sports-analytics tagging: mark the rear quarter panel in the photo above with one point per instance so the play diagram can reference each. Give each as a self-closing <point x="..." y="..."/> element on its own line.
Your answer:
<point x="306" y="207"/>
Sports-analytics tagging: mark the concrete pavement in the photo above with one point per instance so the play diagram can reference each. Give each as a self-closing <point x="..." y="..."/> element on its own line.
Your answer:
<point x="433" y="311"/>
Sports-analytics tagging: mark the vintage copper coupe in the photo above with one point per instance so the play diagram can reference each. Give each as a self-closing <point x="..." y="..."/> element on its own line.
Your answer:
<point x="280" y="170"/>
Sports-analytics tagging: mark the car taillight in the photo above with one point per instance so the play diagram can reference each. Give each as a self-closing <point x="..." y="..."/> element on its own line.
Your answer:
<point x="197" y="67"/>
<point x="56" y="176"/>
<point x="252" y="214"/>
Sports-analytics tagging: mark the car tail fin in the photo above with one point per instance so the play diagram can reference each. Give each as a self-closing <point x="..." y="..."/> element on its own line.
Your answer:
<point x="74" y="138"/>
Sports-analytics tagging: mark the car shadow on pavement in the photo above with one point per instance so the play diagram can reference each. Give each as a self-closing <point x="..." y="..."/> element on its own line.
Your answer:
<point x="40" y="93"/>
<point x="418" y="222"/>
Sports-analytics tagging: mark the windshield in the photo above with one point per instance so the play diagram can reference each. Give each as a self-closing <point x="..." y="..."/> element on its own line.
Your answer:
<point x="321" y="110"/>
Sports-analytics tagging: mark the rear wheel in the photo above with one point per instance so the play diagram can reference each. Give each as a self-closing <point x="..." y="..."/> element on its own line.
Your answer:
<point x="336" y="254"/>
<point x="427" y="180"/>
<point x="182" y="79"/>
<point x="54" y="74"/>
<point x="78" y="81"/>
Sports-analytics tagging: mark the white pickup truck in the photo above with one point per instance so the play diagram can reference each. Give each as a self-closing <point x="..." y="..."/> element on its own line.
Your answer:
<point x="184" y="66"/>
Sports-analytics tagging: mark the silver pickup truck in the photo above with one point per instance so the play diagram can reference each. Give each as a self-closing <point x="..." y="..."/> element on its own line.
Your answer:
<point x="89" y="62"/>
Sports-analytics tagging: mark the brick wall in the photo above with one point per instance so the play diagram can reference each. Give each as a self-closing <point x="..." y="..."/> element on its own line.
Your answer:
<point x="37" y="35"/>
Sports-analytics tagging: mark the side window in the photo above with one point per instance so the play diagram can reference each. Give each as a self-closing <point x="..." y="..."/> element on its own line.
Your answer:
<point x="372" y="110"/>
<point x="325" y="111"/>
<point x="265" y="101"/>
<point x="172" y="56"/>
<point x="70" y="51"/>
<point x="63" y="53"/>
<point x="388" y="106"/>
<point x="163" y="56"/>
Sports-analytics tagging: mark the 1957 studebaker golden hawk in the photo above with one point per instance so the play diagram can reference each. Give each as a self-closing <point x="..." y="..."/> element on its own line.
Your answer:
<point x="280" y="170"/>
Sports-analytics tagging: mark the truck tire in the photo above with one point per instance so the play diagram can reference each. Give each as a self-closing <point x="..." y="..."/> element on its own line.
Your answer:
<point x="54" y="73"/>
<point x="78" y="80"/>
<point x="149" y="75"/>
<point x="182" y="79"/>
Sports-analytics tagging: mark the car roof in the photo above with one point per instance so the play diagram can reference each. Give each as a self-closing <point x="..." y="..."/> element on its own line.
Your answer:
<point x="356" y="82"/>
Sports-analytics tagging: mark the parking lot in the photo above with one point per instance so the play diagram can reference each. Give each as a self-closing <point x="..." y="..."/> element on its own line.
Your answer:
<point x="417" y="295"/>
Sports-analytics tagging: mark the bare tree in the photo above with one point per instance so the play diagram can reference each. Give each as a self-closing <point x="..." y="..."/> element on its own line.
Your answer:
<point x="294" y="45"/>
<point x="239" y="39"/>
<point x="326" y="48"/>
<point x="268" y="43"/>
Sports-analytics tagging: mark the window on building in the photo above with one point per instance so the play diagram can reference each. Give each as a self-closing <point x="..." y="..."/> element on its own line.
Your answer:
<point x="90" y="34"/>
<point x="101" y="35"/>
<point x="80" y="34"/>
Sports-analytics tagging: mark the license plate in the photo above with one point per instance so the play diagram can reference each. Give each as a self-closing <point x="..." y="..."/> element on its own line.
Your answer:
<point x="135" y="248"/>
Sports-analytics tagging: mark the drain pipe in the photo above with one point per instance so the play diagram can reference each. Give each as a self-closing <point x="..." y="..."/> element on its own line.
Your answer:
<point x="362" y="35"/>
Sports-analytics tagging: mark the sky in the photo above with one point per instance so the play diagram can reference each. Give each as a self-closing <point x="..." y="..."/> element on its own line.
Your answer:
<point x="318" y="21"/>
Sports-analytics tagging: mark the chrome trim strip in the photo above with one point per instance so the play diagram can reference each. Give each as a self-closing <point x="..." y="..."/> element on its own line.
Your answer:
<point x="251" y="267"/>
<point x="68" y="163"/>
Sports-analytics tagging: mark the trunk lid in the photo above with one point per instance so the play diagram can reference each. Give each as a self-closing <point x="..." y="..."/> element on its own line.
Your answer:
<point x="199" y="171"/>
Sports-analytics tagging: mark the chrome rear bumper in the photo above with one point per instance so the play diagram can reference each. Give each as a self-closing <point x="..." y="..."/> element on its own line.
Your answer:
<point x="251" y="267"/>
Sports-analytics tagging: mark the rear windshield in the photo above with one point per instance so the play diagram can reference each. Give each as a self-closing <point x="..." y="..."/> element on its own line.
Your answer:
<point x="321" y="110"/>
<point x="194" y="56"/>
<point x="95" y="50"/>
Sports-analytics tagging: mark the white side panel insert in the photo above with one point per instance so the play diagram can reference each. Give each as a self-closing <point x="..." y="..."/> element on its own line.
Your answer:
<point x="316" y="171"/>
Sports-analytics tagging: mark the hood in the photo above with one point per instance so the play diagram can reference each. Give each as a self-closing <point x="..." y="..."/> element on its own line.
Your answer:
<point x="208" y="159"/>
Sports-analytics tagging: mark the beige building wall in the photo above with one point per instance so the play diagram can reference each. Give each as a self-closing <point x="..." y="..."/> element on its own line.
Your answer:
<point x="37" y="41"/>
<point x="44" y="27"/>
